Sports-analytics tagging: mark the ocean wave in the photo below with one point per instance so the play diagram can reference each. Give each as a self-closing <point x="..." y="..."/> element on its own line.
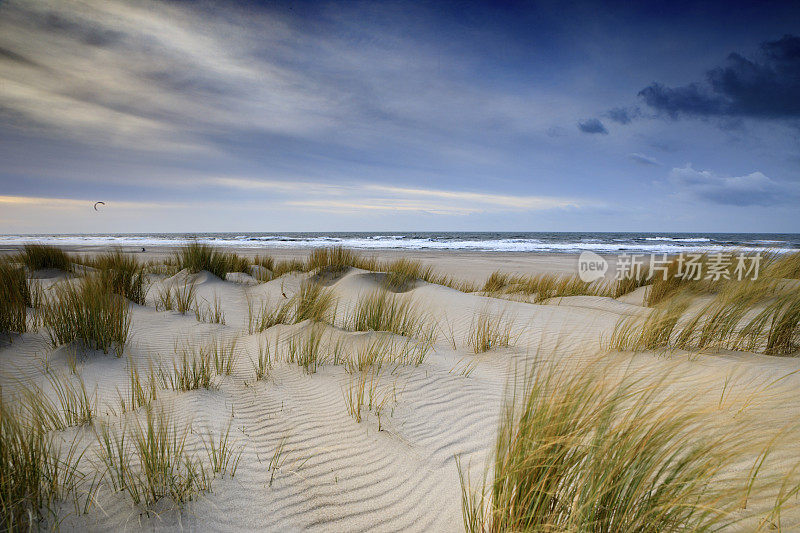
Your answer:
<point x="553" y="243"/>
<point x="678" y="239"/>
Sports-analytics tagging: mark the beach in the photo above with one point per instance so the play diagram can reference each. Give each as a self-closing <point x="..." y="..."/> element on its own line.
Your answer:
<point x="339" y="424"/>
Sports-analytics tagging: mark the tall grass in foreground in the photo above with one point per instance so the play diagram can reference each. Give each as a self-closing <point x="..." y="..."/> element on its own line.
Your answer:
<point x="488" y="331"/>
<point x="149" y="461"/>
<point x="15" y="297"/>
<point x="787" y="266"/>
<point x="37" y="470"/>
<point x="122" y="274"/>
<point x="196" y="257"/>
<point x="86" y="312"/>
<point x="41" y="256"/>
<point x="577" y="452"/>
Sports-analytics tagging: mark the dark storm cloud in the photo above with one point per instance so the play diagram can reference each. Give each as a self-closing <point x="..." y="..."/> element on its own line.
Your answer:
<point x="623" y="115"/>
<point x="592" y="125"/>
<point x="766" y="88"/>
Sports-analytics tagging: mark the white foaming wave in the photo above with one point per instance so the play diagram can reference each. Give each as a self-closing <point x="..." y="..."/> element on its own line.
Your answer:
<point x="393" y="242"/>
<point x="673" y="239"/>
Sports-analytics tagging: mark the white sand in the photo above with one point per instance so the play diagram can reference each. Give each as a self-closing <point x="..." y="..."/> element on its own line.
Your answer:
<point x="339" y="475"/>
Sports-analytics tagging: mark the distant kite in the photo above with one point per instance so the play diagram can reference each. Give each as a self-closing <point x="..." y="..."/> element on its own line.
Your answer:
<point x="98" y="203"/>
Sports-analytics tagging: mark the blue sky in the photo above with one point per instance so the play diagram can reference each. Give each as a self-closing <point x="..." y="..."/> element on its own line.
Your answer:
<point x="250" y="116"/>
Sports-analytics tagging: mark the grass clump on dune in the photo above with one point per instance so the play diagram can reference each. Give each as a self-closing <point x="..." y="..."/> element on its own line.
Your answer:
<point x="36" y="472"/>
<point x="543" y="286"/>
<point x="87" y="312"/>
<point x="380" y="310"/>
<point x="150" y="461"/>
<point x="578" y="452"/>
<point x="288" y="265"/>
<point x="335" y="260"/>
<point x="787" y="266"/>
<point x="42" y="256"/>
<point x="313" y="302"/>
<point x="15" y="298"/>
<point x="489" y="331"/>
<point x="196" y="257"/>
<point x="122" y="274"/>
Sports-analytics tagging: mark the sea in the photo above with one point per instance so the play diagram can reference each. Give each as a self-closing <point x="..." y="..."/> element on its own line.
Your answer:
<point x="521" y="242"/>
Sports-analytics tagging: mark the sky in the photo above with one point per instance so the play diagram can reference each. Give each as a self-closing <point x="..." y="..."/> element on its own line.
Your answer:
<point x="405" y="116"/>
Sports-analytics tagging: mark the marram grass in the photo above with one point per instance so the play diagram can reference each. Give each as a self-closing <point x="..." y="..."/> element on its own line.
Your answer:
<point x="15" y="298"/>
<point x="85" y="311"/>
<point x="122" y="274"/>
<point x="582" y="452"/>
<point x="42" y="256"/>
<point x="196" y="257"/>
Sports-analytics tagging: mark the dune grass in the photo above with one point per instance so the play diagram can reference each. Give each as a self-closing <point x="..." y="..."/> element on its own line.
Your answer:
<point x="42" y="256"/>
<point x="122" y="274"/>
<point x="196" y="257"/>
<point x="748" y="315"/>
<point x="380" y="310"/>
<point x="15" y="298"/>
<point x="223" y="455"/>
<point x="579" y="452"/>
<point x="363" y="395"/>
<point x="543" y="286"/>
<point x="306" y="349"/>
<point x="263" y="362"/>
<point x="488" y="331"/>
<point x="73" y="405"/>
<point x="149" y="461"/>
<point x="210" y="312"/>
<point x="86" y="312"/>
<point x="193" y="370"/>
<point x="264" y="315"/>
<point x="334" y="260"/>
<point x="178" y="298"/>
<point x="787" y="266"/>
<point x="37" y="470"/>
<point x="313" y="302"/>
<point x="141" y="391"/>
<point x="288" y="265"/>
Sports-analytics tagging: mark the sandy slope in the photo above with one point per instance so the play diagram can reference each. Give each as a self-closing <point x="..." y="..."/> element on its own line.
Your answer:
<point x="339" y="475"/>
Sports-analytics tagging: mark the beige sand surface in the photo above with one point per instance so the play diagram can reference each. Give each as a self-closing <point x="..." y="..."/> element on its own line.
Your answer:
<point x="339" y="475"/>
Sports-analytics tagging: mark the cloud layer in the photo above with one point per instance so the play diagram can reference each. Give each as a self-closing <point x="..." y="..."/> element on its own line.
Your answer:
<point x="754" y="189"/>
<point x="766" y="88"/>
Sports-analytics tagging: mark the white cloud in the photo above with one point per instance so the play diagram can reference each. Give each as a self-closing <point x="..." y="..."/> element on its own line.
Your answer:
<point x="748" y="190"/>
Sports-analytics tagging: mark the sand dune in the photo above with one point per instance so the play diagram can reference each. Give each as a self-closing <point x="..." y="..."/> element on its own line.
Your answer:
<point x="333" y="473"/>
